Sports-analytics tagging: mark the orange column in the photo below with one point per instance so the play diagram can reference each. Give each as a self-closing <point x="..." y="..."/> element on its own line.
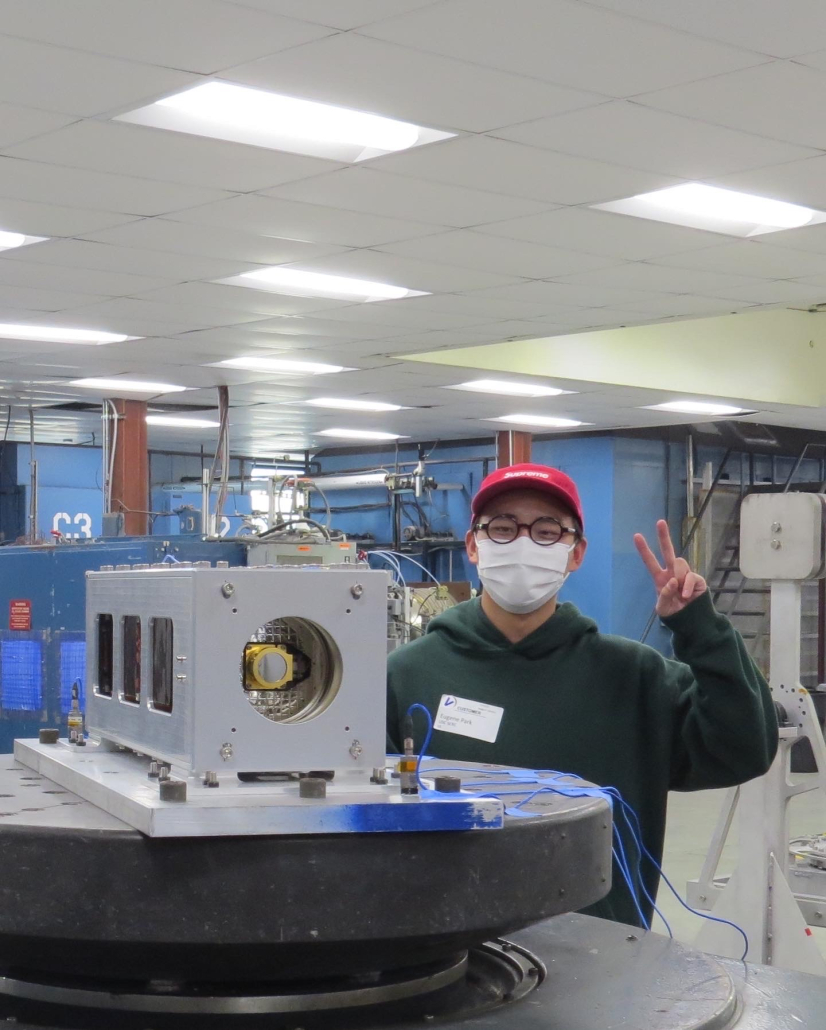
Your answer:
<point x="512" y="447"/>
<point x="130" y="474"/>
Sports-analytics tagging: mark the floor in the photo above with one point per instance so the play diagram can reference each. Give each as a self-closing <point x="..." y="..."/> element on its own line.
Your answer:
<point x="691" y="820"/>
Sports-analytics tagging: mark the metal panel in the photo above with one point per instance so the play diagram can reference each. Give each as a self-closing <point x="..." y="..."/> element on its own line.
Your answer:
<point x="216" y="613"/>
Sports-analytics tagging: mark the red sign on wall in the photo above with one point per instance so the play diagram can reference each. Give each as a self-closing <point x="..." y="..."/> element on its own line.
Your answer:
<point x="20" y="615"/>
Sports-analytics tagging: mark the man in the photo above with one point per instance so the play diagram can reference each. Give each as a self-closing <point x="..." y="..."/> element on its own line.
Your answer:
<point x="569" y="698"/>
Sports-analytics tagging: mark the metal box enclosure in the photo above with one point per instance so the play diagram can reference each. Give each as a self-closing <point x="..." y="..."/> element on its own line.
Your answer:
<point x="266" y="552"/>
<point x="782" y="536"/>
<point x="326" y="625"/>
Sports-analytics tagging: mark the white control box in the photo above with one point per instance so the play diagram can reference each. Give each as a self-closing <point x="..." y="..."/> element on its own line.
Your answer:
<point x="782" y="536"/>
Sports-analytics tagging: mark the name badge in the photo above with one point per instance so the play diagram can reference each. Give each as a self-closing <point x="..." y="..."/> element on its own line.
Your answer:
<point x="468" y="718"/>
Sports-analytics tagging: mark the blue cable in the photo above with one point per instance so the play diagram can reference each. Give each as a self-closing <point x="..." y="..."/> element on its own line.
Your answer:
<point x="537" y="778"/>
<point x="170" y="560"/>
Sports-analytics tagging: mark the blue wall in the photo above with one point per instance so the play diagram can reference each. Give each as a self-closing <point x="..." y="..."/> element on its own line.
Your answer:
<point x="69" y="496"/>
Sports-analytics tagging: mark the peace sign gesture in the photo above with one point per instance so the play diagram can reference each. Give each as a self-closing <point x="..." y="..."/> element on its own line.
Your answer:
<point x="676" y="585"/>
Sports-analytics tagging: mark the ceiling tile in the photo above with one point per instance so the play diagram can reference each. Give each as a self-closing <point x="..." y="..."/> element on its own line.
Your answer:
<point x="599" y="232"/>
<point x="780" y="292"/>
<point x="273" y="217"/>
<point x="310" y="326"/>
<point x="21" y="123"/>
<point x="78" y="83"/>
<point x="194" y="35"/>
<point x="169" y="318"/>
<point x="499" y="166"/>
<point x="343" y="14"/>
<point x="566" y="295"/>
<point x="471" y="249"/>
<point x="378" y="266"/>
<point x="641" y="276"/>
<point x="49" y="220"/>
<point x="84" y="254"/>
<point x="749" y="257"/>
<point x="782" y="30"/>
<point x="418" y="87"/>
<point x="563" y="42"/>
<point x="802" y="182"/>
<point x="626" y="133"/>
<point x="482" y="308"/>
<point x="31" y="180"/>
<point x="790" y="107"/>
<point x="208" y="241"/>
<point x="404" y="315"/>
<point x="213" y="299"/>
<point x="14" y="272"/>
<point x="169" y="156"/>
<point x="810" y="237"/>
<point x="399" y="196"/>
<point x="21" y="297"/>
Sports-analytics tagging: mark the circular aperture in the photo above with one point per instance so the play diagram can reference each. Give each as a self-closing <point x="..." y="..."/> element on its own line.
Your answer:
<point x="290" y="670"/>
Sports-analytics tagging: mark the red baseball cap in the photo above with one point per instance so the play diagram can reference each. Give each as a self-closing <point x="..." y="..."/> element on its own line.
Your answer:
<point x="529" y="477"/>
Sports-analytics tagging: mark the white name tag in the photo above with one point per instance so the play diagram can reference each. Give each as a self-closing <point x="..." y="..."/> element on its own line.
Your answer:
<point x="468" y="718"/>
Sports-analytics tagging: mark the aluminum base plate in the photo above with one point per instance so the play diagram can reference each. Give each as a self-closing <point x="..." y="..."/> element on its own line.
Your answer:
<point x="117" y="782"/>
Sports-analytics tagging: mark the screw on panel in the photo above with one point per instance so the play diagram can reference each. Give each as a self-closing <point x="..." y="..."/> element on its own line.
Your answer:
<point x="211" y="779"/>
<point x="228" y="589"/>
<point x="356" y="750"/>
<point x="154" y="770"/>
<point x="776" y="527"/>
<point x="776" y="545"/>
<point x="225" y="751"/>
<point x="379" y="775"/>
<point x="163" y="774"/>
<point x="173" y="790"/>
<point x="49" y="736"/>
<point x="357" y="590"/>
<point x="312" y="787"/>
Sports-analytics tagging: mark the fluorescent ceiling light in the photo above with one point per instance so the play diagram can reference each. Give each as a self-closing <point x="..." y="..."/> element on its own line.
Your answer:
<point x="508" y="389"/>
<point x="359" y="434"/>
<point x="59" y="334"/>
<point x="224" y="110"/>
<point x="181" y="422"/>
<point x="698" y="408"/>
<point x="699" y="206"/>
<point x="543" y="421"/>
<point x="352" y="405"/>
<point x="295" y="282"/>
<point x="266" y="471"/>
<point x="283" y="366"/>
<point x="127" y="385"/>
<point x="10" y="240"/>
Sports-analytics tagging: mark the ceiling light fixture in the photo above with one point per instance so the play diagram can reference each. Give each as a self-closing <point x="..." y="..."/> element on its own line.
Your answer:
<point x="698" y="408"/>
<point x="699" y="206"/>
<point x="359" y="434"/>
<point x="120" y="385"/>
<point x="181" y="422"/>
<point x="542" y="421"/>
<point x="296" y="282"/>
<point x="261" y="118"/>
<point x="352" y="405"/>
<point x="283" y="366"/>
<point x="59" y="334"/>
<point x="10" y="240"/>
<point x="508" y="389"/>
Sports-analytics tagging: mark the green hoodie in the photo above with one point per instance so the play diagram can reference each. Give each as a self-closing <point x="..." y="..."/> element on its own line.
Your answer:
<point x="609" y="709"/>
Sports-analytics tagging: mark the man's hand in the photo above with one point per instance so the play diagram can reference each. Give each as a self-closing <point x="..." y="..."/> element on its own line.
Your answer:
<point x="676" y="585"/>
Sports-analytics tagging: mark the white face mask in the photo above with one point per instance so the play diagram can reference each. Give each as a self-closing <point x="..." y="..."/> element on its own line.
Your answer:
<point x="521" y="576"/>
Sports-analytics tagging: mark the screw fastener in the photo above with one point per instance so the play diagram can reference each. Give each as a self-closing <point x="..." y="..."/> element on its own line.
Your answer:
<point x="225" y="751"/>
<point x="228" y="589"/>
<point x="357" y="590"/>
<point x="356" y="750"/>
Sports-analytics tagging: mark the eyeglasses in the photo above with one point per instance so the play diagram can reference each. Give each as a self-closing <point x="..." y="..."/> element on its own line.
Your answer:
<point x="502" y="529"/>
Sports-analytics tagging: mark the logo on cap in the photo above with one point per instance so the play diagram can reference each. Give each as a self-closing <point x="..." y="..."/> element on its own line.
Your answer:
<point x="526" y="475"/>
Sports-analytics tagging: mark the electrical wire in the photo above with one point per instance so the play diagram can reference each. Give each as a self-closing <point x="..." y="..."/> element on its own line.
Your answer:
<point x="426" y="743"/>
<point x="407" y="557"/>
<point x="547" y="780"/>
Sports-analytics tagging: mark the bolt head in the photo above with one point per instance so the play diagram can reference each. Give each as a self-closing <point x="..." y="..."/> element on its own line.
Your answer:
<point x="775" y="545"/>
<point x="225" y="751"/>
<point x="357" y="590"/>
<point x="356" y="750"/>
<point x="228" y="589"/>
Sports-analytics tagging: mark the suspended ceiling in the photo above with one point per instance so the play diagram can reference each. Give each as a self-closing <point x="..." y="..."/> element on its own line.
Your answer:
<point x="556" y="105"/>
